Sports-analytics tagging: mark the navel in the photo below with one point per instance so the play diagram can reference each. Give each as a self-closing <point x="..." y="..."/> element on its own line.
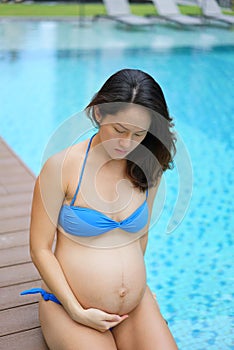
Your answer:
<point x="122" y="292"/>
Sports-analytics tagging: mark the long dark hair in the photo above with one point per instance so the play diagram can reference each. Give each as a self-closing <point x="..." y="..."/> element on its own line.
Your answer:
<point x="144" y="164"/>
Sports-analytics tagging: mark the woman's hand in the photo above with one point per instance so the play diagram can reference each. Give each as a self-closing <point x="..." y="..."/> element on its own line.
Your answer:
<point x="98" y="319"/>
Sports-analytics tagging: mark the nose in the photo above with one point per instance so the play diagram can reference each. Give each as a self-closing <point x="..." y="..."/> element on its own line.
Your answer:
<point x="125" y="142"/>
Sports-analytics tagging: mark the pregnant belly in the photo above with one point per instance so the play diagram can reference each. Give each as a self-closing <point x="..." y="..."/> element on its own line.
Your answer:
<point x="111" y="280"/>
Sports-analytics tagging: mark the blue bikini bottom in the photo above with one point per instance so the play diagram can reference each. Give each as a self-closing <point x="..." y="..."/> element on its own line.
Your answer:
<point x="45" y="295"/>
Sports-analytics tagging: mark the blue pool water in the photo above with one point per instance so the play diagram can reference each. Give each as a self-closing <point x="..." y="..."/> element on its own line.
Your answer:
<point x="50" y="70"/>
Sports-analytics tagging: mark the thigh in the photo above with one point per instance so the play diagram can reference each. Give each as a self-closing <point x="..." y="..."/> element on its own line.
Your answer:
<point x="144" y="329"/>
<point x="62" y="333"/>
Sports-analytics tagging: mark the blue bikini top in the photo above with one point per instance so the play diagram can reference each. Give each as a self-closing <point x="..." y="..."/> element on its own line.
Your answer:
<point x="87" y="222"/>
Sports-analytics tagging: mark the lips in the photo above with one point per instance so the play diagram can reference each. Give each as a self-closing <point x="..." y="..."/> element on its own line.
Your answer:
<point x="121" y="152"/>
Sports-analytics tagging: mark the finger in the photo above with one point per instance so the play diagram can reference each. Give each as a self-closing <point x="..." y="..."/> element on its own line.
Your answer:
<point x="113" y="324"/>
<point x="112" y="318"/>
<point x="123" y="317"/>
<point x="118" y="319"/>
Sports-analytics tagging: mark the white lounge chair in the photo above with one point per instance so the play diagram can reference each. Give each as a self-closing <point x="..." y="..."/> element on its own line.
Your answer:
<point x="211" y="10"/>
<point x="168" y="10"/>
<point x="119" y="10"/>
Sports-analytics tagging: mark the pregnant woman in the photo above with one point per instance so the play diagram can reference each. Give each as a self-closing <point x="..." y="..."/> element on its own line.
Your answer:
<point x="96" y="197"/>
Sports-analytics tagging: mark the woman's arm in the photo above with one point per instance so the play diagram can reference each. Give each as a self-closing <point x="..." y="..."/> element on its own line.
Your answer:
<point x="49" y="193"/>
<point x="47" y="200"/>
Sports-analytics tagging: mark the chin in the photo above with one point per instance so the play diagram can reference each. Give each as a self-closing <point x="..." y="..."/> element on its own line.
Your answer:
<point x="115" y="157"/>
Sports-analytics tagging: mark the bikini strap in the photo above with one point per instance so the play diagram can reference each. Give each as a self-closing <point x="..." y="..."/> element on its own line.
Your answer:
<point x="82" y="171"/>
<point x="45" y="295"/>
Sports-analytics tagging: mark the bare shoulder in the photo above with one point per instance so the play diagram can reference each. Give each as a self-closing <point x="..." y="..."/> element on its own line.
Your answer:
<point x="62" y="168"/>
<point x="67" y="158"/>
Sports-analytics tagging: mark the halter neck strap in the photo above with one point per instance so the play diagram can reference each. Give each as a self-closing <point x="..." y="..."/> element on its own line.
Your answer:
<point x="82" y="171"/>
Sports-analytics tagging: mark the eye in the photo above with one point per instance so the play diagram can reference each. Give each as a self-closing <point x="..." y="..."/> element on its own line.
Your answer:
<point x="142" y="134"/>
<point x="119" y="131"/>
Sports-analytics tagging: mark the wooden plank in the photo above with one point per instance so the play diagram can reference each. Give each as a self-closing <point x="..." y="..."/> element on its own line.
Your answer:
<point x="14" y="169"/>
<point x="14" y="239"/>
<point x="4" y="151"/>
<point x="4" y="154"/>
<point x="8" y="152"/>
<point x="7" y="200"/>
<point x="9" y="161"/>
<point x="18" y="274"/>
<point x="28" y="340"/>
<point x="19" y="314"/>
<point x="14" y="224"/>
<point x="19" y="319"/>
<point x="15" y="210"/>
<point x="3" y="190"/>
<point x="22" y="187"/>
<point x="12" y="178"/>
<point x="14" y="255"/>
<point x="10" y="295"/>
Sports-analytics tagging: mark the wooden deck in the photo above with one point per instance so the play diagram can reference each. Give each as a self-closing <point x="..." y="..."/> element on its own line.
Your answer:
<point x="19" y="325"/>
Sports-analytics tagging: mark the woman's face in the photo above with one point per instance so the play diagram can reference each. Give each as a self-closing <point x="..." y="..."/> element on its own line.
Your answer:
<point x="122" y="132"/>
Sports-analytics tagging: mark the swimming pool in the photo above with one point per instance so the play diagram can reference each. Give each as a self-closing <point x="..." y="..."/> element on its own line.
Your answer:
<point x="49" y="71"/>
